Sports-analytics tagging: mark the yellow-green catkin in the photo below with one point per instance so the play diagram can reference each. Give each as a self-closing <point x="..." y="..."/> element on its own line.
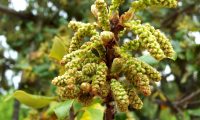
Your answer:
<point x="131" y="45"/>
<point x="85" y="52"/>
<point x="134" y="99"/>
<point x="114" y="6"/>
<point x="147" y="40"/>
<point x="141" y="4"/>
<point x="164" y="42"/>
<point x="75" y="25"/>
<point x="85" y="30"/>
<point x="69" y="92"/>
<point x="60" y="80"/>
<point x="99" y="79"/>
<point x="99" y="45"/>
<point x="103" y="18"/>
<point x="89" y="68"/>
<point x="151" y="72"/>
<point x="135" y="66"/>
<point x="120" y="95"/>
<point x="141" y="81"/>
<point x="135" y="73"/>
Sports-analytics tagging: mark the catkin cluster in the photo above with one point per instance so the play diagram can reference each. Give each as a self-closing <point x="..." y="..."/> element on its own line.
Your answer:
<point x="95" y="67"/>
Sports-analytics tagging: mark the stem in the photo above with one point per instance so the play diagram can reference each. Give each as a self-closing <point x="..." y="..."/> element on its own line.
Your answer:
<point x="110" y="111"/>
<point x="16" y="107"/>
<point x="110" y="55"/>
<point x="71" y="113"/>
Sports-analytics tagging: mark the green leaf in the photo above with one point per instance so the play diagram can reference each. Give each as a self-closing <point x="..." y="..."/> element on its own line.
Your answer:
<point x="148" y="59"/>
<point x="195" y="112"/>
<point x="34" y="101"/>
<point x="58" y="49"/>
<point x="77" y="106"/>
<point x="165" y="114"/>
<point x="120" y="116"/>
<point x="93" y="112"/>
<point x="6" y="108"/>
<point x="62" y="110"/>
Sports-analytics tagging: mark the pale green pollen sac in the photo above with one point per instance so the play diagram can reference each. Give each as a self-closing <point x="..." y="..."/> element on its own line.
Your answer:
<point x="106" y="37"/>
<point x="86" y="87"/>
<point x="117" y="65"/>
<point x="102" y="14"/>
<point x="122" y="100"/>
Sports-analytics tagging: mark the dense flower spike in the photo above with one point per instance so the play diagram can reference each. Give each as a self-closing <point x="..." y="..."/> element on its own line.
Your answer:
<point x="96" y="67"/>
<point x="165" y="45"/>
<point x="141" y="4"/>
<point x="89" y="69"/>
<point x="132" y="45"/>
<point x="102" y="14"/>
<point x="99" y="80"/>
<point x="120" y="95"/>
<point x="75" y="25"/>
<point x="148" y="40"/>
<point x="134" y="99"/>
<point x="135" y="66"/>
<point x="85" y="30"/>
<point x="114" y="6"/>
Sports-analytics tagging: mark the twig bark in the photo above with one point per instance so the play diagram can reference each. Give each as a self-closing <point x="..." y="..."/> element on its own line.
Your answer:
<point x="21" y="15"/>
<point x="25" y="16"/>
<point x="187" y="98"/>
<point x="170" y="20"/>
<point x="110" y="55"/>
<point x="16" y="108"/>
<point x="71" y="113"/>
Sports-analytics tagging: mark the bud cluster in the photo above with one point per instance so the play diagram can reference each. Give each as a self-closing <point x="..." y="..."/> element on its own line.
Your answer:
<point x="94" y="67"/>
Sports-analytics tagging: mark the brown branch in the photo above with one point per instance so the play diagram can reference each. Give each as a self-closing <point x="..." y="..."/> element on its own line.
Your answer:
<point x="16" y="109"/>
<point x="110" y="55"/>
<point x="21" y="15"/>
<point x="187" y="98"/>
<point x="25" y="16"/>
<point x="71" y="113"/>
<point x="170" y="20"/>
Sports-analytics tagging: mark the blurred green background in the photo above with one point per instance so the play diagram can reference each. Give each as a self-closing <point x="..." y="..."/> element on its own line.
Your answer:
<point x="27" y="28"/>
